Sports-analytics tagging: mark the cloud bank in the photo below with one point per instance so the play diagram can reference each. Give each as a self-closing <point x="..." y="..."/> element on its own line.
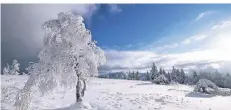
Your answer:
<point x="213" y="54"/>
<point x="21" y="27"/>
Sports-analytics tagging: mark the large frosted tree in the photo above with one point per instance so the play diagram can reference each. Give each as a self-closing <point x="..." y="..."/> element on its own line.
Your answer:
<point x="69" y="57"/>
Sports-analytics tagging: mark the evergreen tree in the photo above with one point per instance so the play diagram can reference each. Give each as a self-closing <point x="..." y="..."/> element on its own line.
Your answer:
<point x="133" y="75"/>
<point x="160" y="71"/>
<point x="164" y="72"/>
<point x="227" y="81"/>
<point x="129" y="75"/>
<point x="174" y="74"/>
<point x="148" y="76"/>
<point x="169" y="77"/>
<point x="137" y="76"/>
<point x="154" y="72"/>
<point x="195" y="77"/>
<point x="181" y="76"/>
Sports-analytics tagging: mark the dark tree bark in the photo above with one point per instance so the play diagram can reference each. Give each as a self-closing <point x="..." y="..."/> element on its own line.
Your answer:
<point x="204" y="90"/>
<point x="78" y="95"/>
<point x="84" y="88"/>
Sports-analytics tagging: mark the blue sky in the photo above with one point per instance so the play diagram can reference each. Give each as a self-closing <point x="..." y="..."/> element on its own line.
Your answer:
<point x="195" y="36"/>
<point x="136" y="26"/>
<point x="179" y="35"/>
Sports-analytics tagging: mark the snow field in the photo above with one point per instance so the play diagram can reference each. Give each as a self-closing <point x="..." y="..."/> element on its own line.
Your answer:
<point x="110" y="94"/>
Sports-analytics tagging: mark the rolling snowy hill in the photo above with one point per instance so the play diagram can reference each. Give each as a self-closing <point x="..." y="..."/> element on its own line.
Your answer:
<point x="109" y="94"/>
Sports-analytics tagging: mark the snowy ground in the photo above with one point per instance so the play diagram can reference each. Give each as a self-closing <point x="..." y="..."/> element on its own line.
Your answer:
<point x="108" y="94"/>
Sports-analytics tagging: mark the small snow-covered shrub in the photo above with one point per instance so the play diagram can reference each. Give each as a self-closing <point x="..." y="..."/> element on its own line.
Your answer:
<point x="204" y="84"/>
<point x="161" y="80"/>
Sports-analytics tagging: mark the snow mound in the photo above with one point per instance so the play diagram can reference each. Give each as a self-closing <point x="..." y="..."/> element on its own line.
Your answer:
<point x="76" y="106"/>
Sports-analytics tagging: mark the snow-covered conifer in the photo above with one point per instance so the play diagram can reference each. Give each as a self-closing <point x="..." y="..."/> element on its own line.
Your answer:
<point x="154" y="72"/>
<point x="174" y="73"/>
<point x="181" y="76"/>
<point x="148" y="76"/>
<point x="195" y="77"/>
<point x="164" y="72"/>
<point x="160" y="71"/>
<point x="137" y="76"/>
<point x="161" y="79"/>
<point x="169" y="77"/>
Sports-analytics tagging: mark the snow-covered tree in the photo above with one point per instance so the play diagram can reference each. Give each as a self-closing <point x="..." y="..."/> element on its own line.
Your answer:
<point x="129" y="76"/>
<point x="68" y="56"/>
<point x="181" y="76"/>
<point x="164" y="72"/>
<point x="174" y="73"/>
<point x="148" y="76"/>
<point x="218" y="79"/>
<point x="154" y="72"/>
<point x="133" y="75"/>
<point x="195" y="77"/>
<point x="203" y="85"/>
<point x="227" y="80"/>
<point x="161" y="79"/>
<point x="169" y="77"/>
<point x="15" y="68"/>
<point x="160" y="71"/>
<point x="31" y="67"/>
<point x="6" y="69"/>
<point x="137" y="75"/>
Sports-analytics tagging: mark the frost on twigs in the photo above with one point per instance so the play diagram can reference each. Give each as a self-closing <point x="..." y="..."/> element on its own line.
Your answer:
<point x="204" y="84"/>
<point x="66" y="39"/>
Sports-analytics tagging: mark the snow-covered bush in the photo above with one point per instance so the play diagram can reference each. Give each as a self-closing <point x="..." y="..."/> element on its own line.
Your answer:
<point x="6" y="70"/>
<point x="15" y="68"/>
<point x="68" y="54"/>
<point x="204" y="84"/>
<point x="161" y="79"/>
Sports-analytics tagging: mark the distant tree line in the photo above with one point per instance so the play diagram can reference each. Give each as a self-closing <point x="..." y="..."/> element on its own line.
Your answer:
<point x="176" y="75"/>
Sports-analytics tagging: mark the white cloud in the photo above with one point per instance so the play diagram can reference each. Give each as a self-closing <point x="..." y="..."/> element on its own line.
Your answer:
<point x="215" y="54"/>
<point x="222" y="24"/>
<point x="186" y="41"/>
<point x="194" y="38"/>
<point x="199" y="37"/>
<point x="115" y="8"/>
<point x="168" y="46"/>
<point x="25" y="21"/>
<point x="142" y="60"/>
<point x="203" y="14"/>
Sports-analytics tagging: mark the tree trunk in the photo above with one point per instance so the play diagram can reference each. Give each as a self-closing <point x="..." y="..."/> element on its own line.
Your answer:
<point x="84" y="88"/>
<point x="78" y="96"/>
<point x="204" y="90"/>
